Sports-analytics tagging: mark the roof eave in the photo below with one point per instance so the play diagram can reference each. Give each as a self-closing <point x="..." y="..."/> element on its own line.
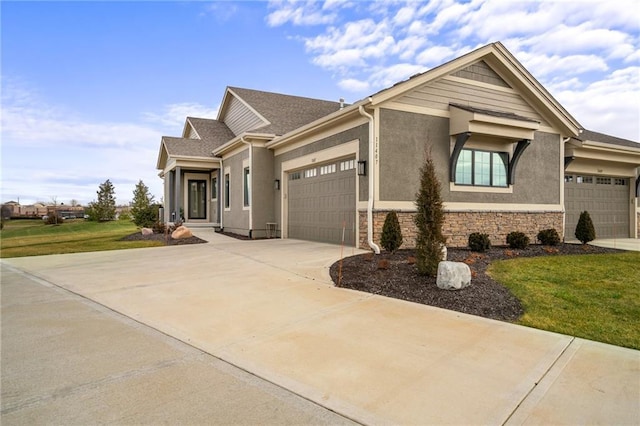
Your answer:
<point x="237" y="141"/>
<point x="314" y="125"/>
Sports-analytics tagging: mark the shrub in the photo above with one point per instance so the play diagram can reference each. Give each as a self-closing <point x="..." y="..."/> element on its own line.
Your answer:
<point x="54" y="219"/>
<point x="517" y="240"/>
<point x="428" y="220"/>
<point x="159" y="228"/>
<point x="143" y="211"/>
<point x="479" y="242"/>
<point x="391" y="238"/>
<point x="585" y="231"/>
<point x="549" y="237"/>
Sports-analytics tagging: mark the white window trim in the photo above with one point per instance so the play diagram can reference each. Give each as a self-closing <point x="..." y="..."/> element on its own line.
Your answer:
<point x="245" y="165"/>
<point x="227" y="172"/>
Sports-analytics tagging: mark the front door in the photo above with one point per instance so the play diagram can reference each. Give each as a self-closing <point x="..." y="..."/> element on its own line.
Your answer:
<point x="197" y="199"/>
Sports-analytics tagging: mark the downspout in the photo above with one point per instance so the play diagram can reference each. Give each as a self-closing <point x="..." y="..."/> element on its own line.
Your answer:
<point x="221" y="189"/>
<point x="250" y="185"/>
<point x="373" y="245"/>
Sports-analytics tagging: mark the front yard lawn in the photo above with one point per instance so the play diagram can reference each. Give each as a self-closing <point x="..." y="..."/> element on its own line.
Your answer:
<point x="594" y="296"/>
<point x="21" y="238"/>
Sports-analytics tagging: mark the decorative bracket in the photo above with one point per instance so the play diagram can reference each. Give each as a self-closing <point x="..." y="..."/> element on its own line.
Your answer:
<point x="453" y="161"/>
<point x="568" y="160"/>
<point x="517" y="153"/>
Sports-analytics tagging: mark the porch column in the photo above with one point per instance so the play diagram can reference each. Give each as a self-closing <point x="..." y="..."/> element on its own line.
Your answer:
<point x="177" y="193"/>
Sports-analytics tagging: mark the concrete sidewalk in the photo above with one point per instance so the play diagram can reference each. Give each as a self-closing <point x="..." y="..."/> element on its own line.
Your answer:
<point x="268" y="307"/>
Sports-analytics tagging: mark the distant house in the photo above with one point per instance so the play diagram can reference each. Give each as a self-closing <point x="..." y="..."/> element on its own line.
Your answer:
<point x="508" y="155"/>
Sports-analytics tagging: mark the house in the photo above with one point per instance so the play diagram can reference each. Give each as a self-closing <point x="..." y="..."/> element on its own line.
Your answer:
<point x="508" y="155"/>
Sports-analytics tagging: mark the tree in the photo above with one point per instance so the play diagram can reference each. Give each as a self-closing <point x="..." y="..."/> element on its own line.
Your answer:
<point x="429" y="220"/>
<point x="105" y="207"/>
<point x="142" y="209"/>
<point x="585" y="231"/>
<point x="391" y="238"/>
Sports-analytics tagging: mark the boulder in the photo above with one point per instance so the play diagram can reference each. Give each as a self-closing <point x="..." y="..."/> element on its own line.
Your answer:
<point x="181" y="232"/>
<point x="453" y="275"/>
<point x="147" y="231"/>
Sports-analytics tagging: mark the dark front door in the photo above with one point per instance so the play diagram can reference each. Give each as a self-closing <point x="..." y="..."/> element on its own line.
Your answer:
<point x="197" y="199"/>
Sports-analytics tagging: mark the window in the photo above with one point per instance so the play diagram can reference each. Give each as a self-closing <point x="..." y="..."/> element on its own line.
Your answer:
<point x="329" y="168"/>
<point x="618" y="181"/>
<point x="481" y="168"/>
<point x="584" y="179"/>
<point x="568" y="178"/>
<point x="310" y="173"/>
<point x="226" y="191"/>
<point x="294" y="176"/>
<point x="247" y="186"/>
<point x="214" y="188"/>
<point x="347" y="165"/>
<point x="603" y="181"/>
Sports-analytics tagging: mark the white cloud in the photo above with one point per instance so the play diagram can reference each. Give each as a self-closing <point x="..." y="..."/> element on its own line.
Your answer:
<point x="299" y="13"/>
<point x="174" y="116"/>
<point x="353" y="85"/>
<point x="69" y="157"/>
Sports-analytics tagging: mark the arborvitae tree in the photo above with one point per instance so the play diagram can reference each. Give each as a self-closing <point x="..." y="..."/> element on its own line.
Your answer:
<point x="142" y="209"/>
<point x="585" y="231"/>
<point x="105" y="208"/>
<point x="429" y="220"/>
<point x="391" y="238"/>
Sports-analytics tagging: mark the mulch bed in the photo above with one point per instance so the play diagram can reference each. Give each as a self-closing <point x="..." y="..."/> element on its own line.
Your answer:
<point x="163" y="238"/>
<point x="484" y="297"/>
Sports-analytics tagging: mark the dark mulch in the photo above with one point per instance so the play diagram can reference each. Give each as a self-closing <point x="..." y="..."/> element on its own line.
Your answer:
<point x="484" y="297"/>
<point x="164" y="238"/>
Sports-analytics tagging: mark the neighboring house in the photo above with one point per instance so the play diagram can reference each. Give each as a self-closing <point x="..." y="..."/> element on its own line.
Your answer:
<point x="508" y="155"/>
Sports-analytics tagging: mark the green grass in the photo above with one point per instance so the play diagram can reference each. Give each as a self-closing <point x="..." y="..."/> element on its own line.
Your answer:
<point x="595" y="297"/>
<point x="21" y="238"/>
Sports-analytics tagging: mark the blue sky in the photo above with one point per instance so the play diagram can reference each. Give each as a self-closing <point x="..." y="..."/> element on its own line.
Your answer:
<point x="88" y="88"/>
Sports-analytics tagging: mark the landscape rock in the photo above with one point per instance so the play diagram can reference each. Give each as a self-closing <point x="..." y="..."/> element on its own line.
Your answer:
<point x="181" y="232"/>
<point x="147" y="231"/>
<point x="453" y="275"/>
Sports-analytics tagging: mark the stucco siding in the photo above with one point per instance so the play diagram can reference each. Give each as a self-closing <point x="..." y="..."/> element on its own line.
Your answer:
<point x="236" y="218"/>
<point x="404" y="140"/>
<point x="263" y="191"/>
<point x="406" y="137"/>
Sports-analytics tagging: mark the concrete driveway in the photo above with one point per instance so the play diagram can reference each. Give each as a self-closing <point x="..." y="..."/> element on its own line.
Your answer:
<point x="269" y="308"/>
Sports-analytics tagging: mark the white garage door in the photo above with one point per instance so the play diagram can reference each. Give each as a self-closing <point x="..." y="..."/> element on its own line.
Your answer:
<point x="605" y="198"/>
<point x="322" y="202"/>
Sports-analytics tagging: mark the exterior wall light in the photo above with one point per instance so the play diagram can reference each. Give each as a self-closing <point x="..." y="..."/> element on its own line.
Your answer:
<point x="362" y="168"/>
<point x="276" y="184"/>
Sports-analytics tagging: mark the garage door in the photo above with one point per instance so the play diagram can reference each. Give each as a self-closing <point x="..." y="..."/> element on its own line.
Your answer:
<point x="605" y="198"/>
<point x="322" y="200"/>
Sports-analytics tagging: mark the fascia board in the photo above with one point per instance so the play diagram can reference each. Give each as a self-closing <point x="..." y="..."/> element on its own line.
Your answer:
<point x="159" y="163"/>
<point x="315" y="125"/>
<point x="237" y="141"/>
<point x="184" y="132"/>
<point x="260" y="116"/>
<point x="430" y="75"/>
<point x="508" y="61"/>
<point x="608" y="147"/>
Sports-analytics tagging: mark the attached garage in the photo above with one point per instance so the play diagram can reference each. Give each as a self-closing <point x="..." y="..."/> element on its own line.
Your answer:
<point x="606" y="198"/>
<point x="322" y="202"/>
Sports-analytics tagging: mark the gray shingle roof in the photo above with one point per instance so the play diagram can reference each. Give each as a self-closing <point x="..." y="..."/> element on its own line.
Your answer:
<point x="211" y="131"/>
<point x="494" y="113"/>
<point x="188" y="147"/>
<point x="285" y="112"/>
<point x="588" y="135"/>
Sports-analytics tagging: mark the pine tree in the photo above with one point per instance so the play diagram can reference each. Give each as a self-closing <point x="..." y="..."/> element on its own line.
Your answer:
<point x="585" y="230"/>
<point x="429" y="220"/>
<point x="104" y="208"/>
<point x="142" y="209"/>
<point x="391" y="238"/>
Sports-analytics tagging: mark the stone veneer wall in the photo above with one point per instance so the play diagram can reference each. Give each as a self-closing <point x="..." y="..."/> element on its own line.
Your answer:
<point x="458" y="225"/>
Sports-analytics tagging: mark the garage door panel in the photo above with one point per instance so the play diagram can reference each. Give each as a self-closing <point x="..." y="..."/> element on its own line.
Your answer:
<point x="606" y="200"/>
<point x="320" y="205"/>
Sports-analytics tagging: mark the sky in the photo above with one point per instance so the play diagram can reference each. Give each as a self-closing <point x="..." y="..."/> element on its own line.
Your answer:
<point x="89" y="88"/>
